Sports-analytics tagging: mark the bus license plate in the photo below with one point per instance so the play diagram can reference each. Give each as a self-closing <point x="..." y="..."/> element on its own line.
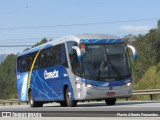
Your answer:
<point x="110" y="93"/>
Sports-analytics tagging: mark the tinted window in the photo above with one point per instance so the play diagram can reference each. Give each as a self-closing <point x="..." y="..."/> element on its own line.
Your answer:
<point x="63" y="58"/>
<point x="73" y="58"/>
<point x="48" y="57"/>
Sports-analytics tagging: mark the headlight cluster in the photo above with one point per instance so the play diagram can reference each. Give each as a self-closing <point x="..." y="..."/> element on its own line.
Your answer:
<point x="90" y="86"/>
<point x="129" y="84"/>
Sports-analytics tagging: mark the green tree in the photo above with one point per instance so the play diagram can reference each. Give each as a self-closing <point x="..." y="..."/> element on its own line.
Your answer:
<point x="129" y="38"/>
<point x="8" y="77"/>
<point x="148" y="51"/>
<point x="44" y="40"/>
<point x="158" y="24"/>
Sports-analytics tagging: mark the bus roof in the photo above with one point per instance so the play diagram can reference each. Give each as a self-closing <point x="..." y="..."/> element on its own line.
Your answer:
<point x="96" y="36"/>
<point x="84" y="38"/>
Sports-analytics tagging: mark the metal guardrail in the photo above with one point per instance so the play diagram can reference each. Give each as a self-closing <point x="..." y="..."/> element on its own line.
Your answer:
<point x="11" y="102"/>
<point x="149" y="92"/>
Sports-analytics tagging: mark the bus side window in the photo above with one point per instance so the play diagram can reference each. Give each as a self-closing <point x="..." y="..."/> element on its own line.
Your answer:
<point x="57" y="55"/>
<point x="63" y="58"/>
<point x="23" y="65"/>
<point x="36" y="62"/>
<point x="30" y="61"/>
<point x="27" y="63"/>
<point x="74" y="62"/>
<point x="73" y="57"/>
<point x="19" y="64"/>
<point x="54" y="56"/>
<point x="43" y="59"/>
<point x="49" y="57"/>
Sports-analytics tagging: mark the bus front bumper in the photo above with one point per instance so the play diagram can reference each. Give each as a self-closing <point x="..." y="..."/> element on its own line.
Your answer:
<point x="95" y="93"/>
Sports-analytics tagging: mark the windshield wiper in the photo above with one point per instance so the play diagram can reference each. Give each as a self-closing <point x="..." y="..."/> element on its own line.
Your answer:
<point x="113" y="68"/>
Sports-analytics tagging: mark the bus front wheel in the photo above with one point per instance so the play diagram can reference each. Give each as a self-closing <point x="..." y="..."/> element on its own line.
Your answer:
<point x="110" y="101"/>
<point x="69" y="101"/>
<point x="32" y="102"/>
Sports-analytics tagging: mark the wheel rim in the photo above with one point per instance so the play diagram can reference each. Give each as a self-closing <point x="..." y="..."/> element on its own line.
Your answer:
<point x="69" y="96"/>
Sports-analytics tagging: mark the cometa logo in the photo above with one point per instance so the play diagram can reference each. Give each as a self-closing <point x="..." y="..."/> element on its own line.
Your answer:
<point x="49" y="75"/>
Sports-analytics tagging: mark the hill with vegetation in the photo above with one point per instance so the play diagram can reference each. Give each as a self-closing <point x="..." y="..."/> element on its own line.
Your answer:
<point x="146" y="68"/>
<point x="150" y="80"/>
<point x="8" y="77"/>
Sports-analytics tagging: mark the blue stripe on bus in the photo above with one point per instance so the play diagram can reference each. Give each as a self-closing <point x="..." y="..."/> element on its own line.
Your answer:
<point x="99" y="41"/>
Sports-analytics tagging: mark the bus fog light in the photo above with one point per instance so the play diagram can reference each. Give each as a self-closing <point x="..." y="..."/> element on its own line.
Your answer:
<point x="129" y="84"/>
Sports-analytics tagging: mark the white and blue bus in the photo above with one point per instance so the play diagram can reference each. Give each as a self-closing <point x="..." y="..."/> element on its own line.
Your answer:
<point x="75" y="68"/>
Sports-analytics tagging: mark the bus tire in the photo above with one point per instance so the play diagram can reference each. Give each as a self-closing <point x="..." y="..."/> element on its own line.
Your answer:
<point x="110" y="101"/>
<point x="32" y="102"/>
<point x="69" y="101"/>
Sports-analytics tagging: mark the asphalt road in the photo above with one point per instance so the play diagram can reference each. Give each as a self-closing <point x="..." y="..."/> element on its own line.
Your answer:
<point x="92" y="109"/>
<point x="91" y="106"/>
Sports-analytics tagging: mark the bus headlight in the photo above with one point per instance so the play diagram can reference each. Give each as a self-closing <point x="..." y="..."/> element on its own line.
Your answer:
<point x="90" y="86"/>
<point x="129" y="84"/>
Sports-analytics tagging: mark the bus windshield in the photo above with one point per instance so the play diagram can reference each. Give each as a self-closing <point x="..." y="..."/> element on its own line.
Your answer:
<point x="106" y="62"/>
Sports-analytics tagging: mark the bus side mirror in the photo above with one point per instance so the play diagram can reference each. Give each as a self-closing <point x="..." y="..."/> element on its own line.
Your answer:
<point x="134" y="51"/>
<point x="78" y="51"/>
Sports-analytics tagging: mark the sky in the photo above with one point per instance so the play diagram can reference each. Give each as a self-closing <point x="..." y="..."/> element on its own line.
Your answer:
<point x="25" y="22"/>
